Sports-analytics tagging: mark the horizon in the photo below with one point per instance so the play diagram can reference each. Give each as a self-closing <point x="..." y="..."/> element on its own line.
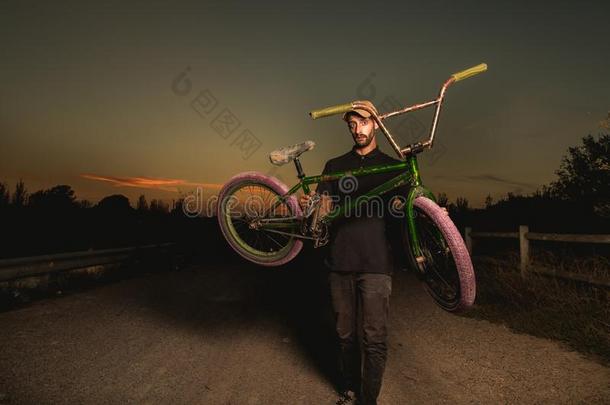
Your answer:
<point x="110" y="100"/>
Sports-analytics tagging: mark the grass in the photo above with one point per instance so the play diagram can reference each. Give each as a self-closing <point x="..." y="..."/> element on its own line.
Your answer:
<point x="575" y="313"/>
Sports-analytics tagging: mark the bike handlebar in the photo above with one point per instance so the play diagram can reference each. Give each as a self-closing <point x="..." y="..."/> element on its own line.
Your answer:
<point x="418" y="146"/>
<point x="465" y="74"/>
<point x="335" y="109"/>
<point x="343" y="108"/>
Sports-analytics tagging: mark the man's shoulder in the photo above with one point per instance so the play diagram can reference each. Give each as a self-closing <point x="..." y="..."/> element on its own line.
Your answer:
<point x="387" y="158"/>
<point x="337" y="159"/>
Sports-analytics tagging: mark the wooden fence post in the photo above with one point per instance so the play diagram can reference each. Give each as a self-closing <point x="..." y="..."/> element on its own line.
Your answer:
<point x="524" y="248"/>
<point x="468" y="239"/>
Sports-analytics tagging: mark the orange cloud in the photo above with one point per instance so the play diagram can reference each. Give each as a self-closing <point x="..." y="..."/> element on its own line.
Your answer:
<point x="149" y="182"/>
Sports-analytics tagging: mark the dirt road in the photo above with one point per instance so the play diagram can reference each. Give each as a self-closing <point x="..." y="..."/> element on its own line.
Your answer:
<point x="242" y="335"/>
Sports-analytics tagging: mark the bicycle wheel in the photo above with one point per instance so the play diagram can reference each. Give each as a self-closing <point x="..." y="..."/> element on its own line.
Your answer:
<point x="446" y="268"/>
<point x="246" y="198"/>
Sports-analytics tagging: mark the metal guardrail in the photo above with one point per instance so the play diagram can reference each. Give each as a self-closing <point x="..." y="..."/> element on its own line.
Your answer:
<point x="11" y="269"/>
<point x="524" y="236"/>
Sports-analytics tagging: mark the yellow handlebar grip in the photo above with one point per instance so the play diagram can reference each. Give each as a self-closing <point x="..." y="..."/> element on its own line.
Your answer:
<point x="335" y="109"/>
<point x="464" y="74"/>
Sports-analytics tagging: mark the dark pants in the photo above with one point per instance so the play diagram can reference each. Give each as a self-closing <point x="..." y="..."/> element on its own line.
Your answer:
<point x="368" y="293"/>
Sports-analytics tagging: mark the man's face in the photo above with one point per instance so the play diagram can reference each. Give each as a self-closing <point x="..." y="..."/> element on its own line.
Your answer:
<point x="362" y="129"/>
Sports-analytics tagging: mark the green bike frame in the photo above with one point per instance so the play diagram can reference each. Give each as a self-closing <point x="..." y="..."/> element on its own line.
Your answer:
<point x="408" y="173"/>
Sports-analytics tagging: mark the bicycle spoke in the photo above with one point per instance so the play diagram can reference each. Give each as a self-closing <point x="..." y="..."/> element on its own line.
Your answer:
<point x="276" y="242"/>
<point x="442" y="275"/>
<point x="443" y="280"/>
<point x="253" y="202"/>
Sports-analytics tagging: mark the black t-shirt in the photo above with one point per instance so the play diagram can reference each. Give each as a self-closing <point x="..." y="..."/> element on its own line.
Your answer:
<point x="359" y="240"/>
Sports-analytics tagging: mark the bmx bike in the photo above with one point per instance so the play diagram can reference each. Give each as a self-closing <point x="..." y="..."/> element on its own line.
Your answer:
<point x="262" y="221"/>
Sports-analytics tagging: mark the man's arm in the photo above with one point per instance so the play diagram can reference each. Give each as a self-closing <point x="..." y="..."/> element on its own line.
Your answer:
<point x="326" y="204"/>
<point x="325" y="189"/>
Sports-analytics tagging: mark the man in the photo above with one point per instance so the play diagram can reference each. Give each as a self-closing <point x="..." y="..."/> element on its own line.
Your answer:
<point x="361" y="264"/>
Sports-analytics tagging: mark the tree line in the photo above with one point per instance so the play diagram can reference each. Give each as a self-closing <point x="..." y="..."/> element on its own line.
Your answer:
<point x="62" y="197"/>
<point x="53" y="220"/>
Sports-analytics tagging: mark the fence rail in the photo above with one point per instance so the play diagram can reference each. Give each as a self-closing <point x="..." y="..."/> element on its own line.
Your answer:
<point x="524" y="236"/>
<point x="36" y="265"/>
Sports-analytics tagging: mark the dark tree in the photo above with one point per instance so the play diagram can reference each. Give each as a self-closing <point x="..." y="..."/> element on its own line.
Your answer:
<point x="20" y="195"/>
<point x="544" y="193"/>
<point x="461" y="204"/>
<point x="488" y="201"/>
<point x="84" y="204"/>
<point x="584" y="174"/>
<point x="57" y="198"/>
<point x="4" y="195"/>
<point x="178" y="207"/>
<point x="116" y="203"/>
<point x="442" y="199"/>
<point x="159" y="206"/>
<point x="142" y="204"/>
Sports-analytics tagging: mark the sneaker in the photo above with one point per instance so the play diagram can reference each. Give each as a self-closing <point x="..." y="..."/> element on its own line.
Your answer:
<point x="346" y="397"/>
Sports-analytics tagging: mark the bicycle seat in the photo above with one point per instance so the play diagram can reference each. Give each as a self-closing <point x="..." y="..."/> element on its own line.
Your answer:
<point x="285" y="155"/>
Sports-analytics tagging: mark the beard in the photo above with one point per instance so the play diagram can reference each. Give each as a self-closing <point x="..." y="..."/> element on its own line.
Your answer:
<point x="363" y="143"/>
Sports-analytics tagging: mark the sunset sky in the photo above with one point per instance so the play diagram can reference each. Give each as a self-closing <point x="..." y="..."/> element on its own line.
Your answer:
<point x="91" y="95"/>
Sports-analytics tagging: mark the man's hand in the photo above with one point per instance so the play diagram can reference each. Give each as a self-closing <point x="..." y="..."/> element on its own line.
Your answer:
<point x="304" y="200"/>
<point x="325" y="204"/>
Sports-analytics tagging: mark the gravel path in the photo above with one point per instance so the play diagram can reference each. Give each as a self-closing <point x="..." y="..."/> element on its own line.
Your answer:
<point x="242" y="335"/>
